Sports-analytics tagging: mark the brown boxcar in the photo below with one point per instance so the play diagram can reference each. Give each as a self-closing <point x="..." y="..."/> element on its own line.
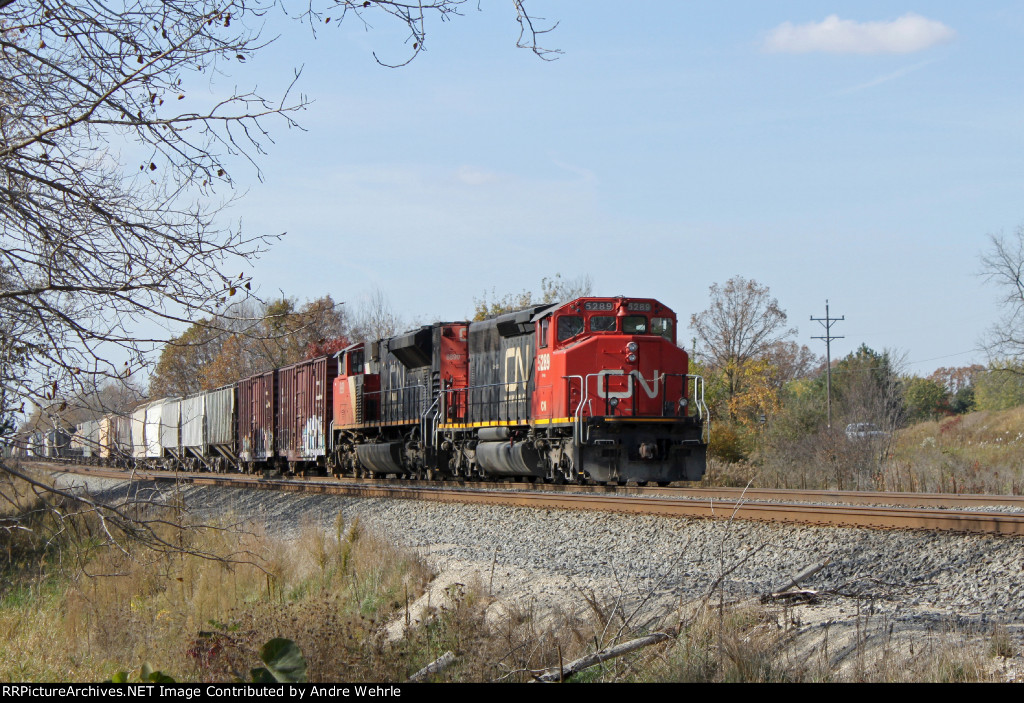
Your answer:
<point x="305" y="410"/>
<point x="257" y="415"/>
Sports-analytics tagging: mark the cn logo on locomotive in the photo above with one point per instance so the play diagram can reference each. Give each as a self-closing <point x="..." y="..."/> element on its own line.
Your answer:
<point x="602" y="384"/>
<point x="515" y="369"/>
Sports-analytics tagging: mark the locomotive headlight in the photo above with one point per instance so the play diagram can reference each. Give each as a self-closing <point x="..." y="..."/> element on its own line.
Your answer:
<point x="614" y="402"/>
<point x="631" y="347"/>
<point x="683" y="402"/>
<point x="631" y="358"/>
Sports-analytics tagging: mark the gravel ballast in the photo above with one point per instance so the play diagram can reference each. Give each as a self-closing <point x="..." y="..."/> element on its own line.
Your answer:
<point x="554" y="557"/>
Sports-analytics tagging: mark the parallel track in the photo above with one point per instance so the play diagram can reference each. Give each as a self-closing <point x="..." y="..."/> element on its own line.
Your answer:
<point x="846" y="509"/>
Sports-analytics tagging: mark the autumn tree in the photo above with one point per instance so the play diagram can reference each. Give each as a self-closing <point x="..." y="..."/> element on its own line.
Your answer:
<point x="801" y="449"/>
<point x="180" y="369"/>
<point x="1001" y="387"/>
<point x="742" y="323"/>
<point x="960" y="384"/>
<point x="792" y="362"/>
<point x="251" y="339"/>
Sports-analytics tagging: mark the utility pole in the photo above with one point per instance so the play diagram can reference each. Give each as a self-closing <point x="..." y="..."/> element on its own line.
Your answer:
<point x="827" y="323"/>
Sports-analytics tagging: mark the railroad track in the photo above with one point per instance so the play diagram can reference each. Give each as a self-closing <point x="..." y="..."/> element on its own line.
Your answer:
<point x="835" y="508"/>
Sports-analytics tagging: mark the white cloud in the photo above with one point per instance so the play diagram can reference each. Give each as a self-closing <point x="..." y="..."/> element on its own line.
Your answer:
<point x="909" y="33"/>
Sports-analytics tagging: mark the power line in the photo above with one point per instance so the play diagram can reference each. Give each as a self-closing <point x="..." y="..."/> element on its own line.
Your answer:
<point x="827" y="323"/>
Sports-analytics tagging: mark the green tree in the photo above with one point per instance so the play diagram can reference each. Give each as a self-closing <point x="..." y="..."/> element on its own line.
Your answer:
<point x="925" y="398"/>
<point x="866" y="386"/>
<point x="1002" y="387"/>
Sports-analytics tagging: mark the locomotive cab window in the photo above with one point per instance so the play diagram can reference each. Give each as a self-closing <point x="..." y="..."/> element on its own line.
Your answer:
<point x="543" y="337"/>
<point x="602" y="323"/>
<point x="663" y="327"/>
<point x="634" y="324"/>
<point x="569" y="326"/>
<point x="355" y="362"/>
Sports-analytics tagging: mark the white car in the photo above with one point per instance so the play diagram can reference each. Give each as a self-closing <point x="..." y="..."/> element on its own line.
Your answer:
<point x="864" y="430"/>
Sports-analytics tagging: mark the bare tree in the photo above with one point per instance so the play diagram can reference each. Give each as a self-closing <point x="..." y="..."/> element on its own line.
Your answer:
<point x="91" y="241"/>
<point x="113" y="172"/>
<point x="552" y="290"/>
<point x="742" y="322"/>
<point x="1003" y="265"/>
<point x="374" y="317"/>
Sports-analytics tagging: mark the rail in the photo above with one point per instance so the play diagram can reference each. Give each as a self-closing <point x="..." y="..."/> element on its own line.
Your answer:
<point x="739" y="507"/>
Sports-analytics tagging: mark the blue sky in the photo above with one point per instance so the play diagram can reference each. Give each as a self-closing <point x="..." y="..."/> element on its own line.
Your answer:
<point x="859" y="152"/>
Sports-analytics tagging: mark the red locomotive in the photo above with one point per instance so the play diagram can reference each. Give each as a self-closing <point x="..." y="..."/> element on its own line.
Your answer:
<point x="594" y="389"/>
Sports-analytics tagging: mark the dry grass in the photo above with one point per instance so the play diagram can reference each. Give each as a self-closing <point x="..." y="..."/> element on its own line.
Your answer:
<point x="754" y="643"/>
<point x="195" y="617"/>
<point x="332" y="592"/>
<point x="205" y="619"/>
<point x="981" y="452"/>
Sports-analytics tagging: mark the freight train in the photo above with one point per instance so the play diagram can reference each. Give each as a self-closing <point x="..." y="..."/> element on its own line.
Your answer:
<point x="592" y="390"/>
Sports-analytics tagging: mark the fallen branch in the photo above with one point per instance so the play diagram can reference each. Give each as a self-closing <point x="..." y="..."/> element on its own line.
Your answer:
<point x="802" y="596"/>
<point x="574" y="667"/>
<point x="777" y="593"/>
<point x="439" y="664"/>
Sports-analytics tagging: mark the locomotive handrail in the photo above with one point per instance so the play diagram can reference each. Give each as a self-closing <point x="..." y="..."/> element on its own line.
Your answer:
<point x="402" y="402"/>
<point x="429" y="439"/>
<point x="659" y="380"/>
<point x="580" y="433"/>
<point x="509" y="402"/>
<point x="702" y="409"/>
<point x="577" y="420"/>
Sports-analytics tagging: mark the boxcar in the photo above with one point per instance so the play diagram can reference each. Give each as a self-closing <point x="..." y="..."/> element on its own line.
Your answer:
<point x="304" y="416"/>
<point x="257" y="414"/>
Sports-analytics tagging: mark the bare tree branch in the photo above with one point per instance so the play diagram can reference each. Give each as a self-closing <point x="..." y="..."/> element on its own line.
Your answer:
<point x="114" y="175"/>
<point x="1003" y="265"/>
